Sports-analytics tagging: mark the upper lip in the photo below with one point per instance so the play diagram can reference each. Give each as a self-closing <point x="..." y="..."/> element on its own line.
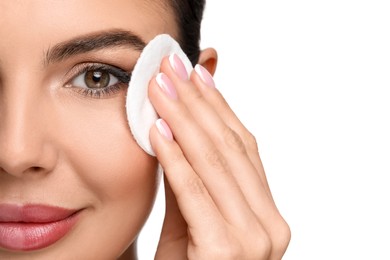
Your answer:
<point x="33" y="213"/>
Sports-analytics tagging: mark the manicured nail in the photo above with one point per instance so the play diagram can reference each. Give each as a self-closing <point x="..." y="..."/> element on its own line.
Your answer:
<point x="178" y="66"/>
<point x="166" y="85"/>
<point x="164" y="129"/>
<point x="205" y="75"/>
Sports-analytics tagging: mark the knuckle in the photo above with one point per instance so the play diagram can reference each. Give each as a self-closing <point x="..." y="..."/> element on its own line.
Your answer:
<point x="176" y="158"/>
<point x="195" y="185"/>
<point x="274" y="243"/>
<point x="173" y="162"/>
<point x="251" y="142"/>
<point x="215" y="159"/>
<point x="263" y="247"/>
<point x="196" y="96"/>
<point x="260" y="242"/>
<point x="282" y="238"/>
<point x="233" y="140"/>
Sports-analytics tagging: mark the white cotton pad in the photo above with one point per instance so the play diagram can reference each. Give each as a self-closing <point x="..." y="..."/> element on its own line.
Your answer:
<point x="140" y="112"/>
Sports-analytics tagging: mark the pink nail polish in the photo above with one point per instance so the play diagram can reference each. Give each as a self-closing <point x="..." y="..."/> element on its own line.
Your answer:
<point x="166" y="85"/>
<point x="205" y="75"/>
<point x="164" y="129"/>
<point x="178" y="66"/>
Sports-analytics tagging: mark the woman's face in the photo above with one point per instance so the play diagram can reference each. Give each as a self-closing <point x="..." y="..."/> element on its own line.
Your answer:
<point x="64" y="138"/>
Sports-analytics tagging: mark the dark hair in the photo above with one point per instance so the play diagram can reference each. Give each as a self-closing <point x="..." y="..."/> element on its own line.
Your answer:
<point x="189" y="14"/>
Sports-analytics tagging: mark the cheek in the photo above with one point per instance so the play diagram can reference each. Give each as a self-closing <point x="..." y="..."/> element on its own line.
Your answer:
<point x="117" y="178"/>
<point x="113" y="167"/>
<point x="101" y="150"/>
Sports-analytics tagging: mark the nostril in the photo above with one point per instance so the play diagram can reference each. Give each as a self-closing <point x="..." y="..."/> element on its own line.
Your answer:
<point x="35" y="169"/>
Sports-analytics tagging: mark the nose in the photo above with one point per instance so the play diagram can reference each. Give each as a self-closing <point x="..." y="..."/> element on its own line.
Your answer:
<point x="25" y="147"/>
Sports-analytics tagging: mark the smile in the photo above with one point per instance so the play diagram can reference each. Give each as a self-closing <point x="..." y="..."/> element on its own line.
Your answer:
<point x="32" y="227"/>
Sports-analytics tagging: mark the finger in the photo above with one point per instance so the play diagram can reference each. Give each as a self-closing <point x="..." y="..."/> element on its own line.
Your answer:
<point x="272" y="221"/>
<point x="202" y="155"/>
<point x="222" y="146"/>
<point x="205" y="113"/>
<point x="193" y="200"/>
<point x="249" y="180"/>
<point x="214" y="97"/>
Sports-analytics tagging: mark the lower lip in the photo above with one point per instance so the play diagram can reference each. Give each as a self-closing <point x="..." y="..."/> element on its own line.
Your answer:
<point x="33" y="236"/>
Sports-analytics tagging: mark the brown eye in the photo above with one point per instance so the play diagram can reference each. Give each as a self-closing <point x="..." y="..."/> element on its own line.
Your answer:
<point x="97" y="79"/>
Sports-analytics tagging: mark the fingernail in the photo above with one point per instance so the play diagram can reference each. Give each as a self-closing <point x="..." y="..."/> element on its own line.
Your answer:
<point x="205" y="75"/>
<point x="166" y="85"/>
<point x="178" y="66"/>
<point x="164" y="129"/>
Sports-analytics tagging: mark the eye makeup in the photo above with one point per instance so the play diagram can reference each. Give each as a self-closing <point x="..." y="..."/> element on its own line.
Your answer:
<point x="97" y="80"/>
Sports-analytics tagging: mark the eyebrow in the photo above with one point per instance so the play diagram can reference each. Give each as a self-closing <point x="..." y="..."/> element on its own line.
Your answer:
<point x="92" y="42"/>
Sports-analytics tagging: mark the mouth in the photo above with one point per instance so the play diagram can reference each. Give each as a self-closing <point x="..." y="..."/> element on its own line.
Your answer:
<point x="33" y="226"/>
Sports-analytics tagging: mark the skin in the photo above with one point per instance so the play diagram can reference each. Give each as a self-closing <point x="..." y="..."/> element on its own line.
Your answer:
<point x="60" y="147"/>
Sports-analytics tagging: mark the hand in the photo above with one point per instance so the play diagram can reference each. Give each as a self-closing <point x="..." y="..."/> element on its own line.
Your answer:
<point x="218" y="202"/>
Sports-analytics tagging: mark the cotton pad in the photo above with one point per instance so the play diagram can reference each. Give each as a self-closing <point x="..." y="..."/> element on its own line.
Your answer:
<point x="140" y="113"/>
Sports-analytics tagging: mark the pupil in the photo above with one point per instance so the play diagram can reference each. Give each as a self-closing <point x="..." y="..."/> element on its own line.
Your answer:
<point x="97" y="75"/>
<point x="97" y="79"/>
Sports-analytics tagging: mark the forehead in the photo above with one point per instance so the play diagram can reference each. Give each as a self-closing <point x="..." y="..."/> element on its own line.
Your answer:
<point x="42" y="23"/>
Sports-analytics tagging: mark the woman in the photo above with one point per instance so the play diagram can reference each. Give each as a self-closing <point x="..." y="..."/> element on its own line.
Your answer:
<point x="73" y="182"/>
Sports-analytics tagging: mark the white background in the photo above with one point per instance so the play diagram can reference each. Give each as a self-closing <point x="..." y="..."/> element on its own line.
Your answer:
<point x="311" y="80"/>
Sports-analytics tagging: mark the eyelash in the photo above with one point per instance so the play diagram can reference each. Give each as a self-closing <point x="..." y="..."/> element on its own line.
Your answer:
<point x="122" y="76"/>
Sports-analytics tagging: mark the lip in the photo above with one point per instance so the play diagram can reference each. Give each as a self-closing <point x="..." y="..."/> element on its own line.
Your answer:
<point x="34" y="226"/>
